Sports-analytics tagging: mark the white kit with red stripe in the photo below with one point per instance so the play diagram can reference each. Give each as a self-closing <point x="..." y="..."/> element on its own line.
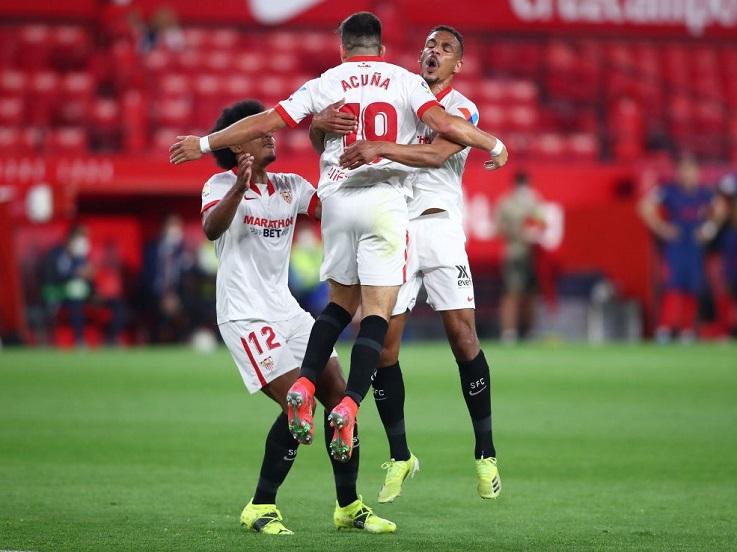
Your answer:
<point x="440" y="188"/>
<point x="387" y="101"/>
<point x="364" y="212"/>
<point x="254" y="251"/>
<point x="437" y="255"/>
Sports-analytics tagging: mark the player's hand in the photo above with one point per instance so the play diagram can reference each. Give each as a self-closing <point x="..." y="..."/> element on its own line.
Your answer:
<point x="245" y="167"/>
<point x="360" y="153"/>
<point x="186" y="148"/>
<point x="332" y="120"/>
<point x="497" y="161"/>
<point x="667" y="231"/>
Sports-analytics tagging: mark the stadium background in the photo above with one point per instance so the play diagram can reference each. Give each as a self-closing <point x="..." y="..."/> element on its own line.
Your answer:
<point x="591" y="97"/>
<point x="587" y="97"/>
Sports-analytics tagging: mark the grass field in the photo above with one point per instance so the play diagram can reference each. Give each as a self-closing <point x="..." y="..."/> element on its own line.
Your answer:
<point x="616" y="448"/>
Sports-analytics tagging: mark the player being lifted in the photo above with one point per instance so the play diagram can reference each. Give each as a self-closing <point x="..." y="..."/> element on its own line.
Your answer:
<point x="365" y="218"/>
<point x="250" y="214"/>
<point x="437" y="259"/>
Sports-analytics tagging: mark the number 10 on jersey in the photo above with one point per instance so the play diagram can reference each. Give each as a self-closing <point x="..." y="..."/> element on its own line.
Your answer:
<point x="376" y="121"/>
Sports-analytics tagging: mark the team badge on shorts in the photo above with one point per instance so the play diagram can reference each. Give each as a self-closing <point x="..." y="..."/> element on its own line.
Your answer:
<point x="287" y="196"/>
<point x="267" y="364"/>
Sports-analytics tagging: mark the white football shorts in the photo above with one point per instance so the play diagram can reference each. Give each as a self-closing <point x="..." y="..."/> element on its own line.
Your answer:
<point x="265" y="350"/>
<point x="364" y="232"/>
<point x="437" y="258"/>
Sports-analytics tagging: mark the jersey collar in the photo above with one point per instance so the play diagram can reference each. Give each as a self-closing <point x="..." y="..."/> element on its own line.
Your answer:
<point x="364" y="58"/>
<point x="443" y="93"/>
<point x="255" y="189"/>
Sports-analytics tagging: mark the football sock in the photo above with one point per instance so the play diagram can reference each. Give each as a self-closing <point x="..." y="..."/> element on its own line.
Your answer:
<point x="345" y="473"/>
<point x="365" y="356"/>
<point x="476" y="388"/>
<point x="281" y="450"/>
<point x="389" y="398"/>
<point x="325" y="332"/>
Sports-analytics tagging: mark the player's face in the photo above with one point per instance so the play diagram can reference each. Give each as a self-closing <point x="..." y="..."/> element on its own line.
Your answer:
<point x="441" y="57"/>
<point x="688" y="171"/>
<point x="263" y="150"/>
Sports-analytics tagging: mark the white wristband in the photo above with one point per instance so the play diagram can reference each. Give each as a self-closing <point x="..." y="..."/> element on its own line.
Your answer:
<point x="498" y="148"/>
<point x="205" y="145"/>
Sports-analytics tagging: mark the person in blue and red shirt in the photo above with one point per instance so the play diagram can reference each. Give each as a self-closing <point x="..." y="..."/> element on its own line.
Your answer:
<point x="678" y="213"/>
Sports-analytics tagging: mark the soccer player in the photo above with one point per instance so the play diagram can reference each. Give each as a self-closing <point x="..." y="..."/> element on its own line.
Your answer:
<point x="437" y="259"/>
<point x="250" y="214"/>
<point x="685" y="205"/>
<point x="364" y="221"/>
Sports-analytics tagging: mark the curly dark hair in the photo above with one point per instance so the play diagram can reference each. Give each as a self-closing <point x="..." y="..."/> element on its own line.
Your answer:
<point x="225" y="158"/>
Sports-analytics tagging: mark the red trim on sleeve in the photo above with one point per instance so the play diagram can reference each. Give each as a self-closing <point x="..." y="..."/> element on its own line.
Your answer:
<point x="206" y="206"/>
<point x="270" y="186"/>
<point x="286" y="117"/>
<point x="313" y="205"/>
<point x="259" y="375"/>
<point x="427" y="105"/>
<point x="443" y="93"/>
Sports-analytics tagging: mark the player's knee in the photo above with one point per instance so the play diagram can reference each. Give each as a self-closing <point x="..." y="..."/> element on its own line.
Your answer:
<point x="463" y="341"/>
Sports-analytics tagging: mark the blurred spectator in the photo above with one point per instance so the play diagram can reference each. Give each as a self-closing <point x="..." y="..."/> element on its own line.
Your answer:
<point x="163" y="32"/>
<point x="304" y="270"/>
<point x="109" y="290"/>
<point x="677" y="213"/>
<point x="67" y="280"/>
<point x="725" y="229"/>
<point x="521" y="223"/>
<point x="165" y="263"/>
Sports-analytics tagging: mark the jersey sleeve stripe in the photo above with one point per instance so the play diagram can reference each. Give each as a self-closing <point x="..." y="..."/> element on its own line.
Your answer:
<point x="206" y="206"/>
<point x="286" y="117"/>
<point x="427" y="105"/>
<point x="312" y="206"/>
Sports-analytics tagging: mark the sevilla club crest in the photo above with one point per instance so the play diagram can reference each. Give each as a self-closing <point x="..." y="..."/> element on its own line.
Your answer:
<point x="287" y="195"/>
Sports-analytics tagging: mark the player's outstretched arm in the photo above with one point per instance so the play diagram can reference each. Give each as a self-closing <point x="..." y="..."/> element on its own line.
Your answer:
<point x="216" y="220"/>
<point x="431" y="155"/>
<point x="189" y="148"/>
<point x="331" y="120"/>
<point x="463" y="132"/>
<point x="649" y="211"/>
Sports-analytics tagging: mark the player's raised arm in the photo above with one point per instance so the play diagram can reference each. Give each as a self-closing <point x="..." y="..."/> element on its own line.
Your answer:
<point x="216" y="220"/>
<point x="461" y="131"/>
<point x="431" y="155"/>
<point x="189" y="148"/>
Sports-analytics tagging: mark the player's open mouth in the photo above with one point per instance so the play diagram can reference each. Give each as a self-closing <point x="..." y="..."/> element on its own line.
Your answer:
<point x="431" y="64"/>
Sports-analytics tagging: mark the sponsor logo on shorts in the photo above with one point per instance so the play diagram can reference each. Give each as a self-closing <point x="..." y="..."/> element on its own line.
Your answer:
<point x="464" y="278"/>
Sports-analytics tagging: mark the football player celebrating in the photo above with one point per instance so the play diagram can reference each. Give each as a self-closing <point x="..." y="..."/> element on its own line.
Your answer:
<point x="437" y="258"/>
<point x="364" y="223"/>
<point x="250" y="214"/>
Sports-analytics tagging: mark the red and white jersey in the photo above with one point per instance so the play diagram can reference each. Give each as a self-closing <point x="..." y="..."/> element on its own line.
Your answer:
<point x="441" y="187"/>
<point x="388" y="102"/>
<point x="254" y="251"/>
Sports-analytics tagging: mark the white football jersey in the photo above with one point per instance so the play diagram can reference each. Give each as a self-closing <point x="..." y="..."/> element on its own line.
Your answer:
<point x="440" y="188"/>
<point x="254" y="251"/>
<point x="388" y="102"/>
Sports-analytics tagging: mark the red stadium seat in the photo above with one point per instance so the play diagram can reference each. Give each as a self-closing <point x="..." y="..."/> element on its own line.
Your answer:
<point x="165" y="137"/>
<point x="175" y="112"/>
<point x="35" y="42"/>
<point x="13" y="82"/>
<point x="12" y="111"/>
<point x="67" y="140"/>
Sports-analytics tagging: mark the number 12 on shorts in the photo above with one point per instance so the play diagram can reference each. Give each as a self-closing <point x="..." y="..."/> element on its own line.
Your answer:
<point x="377" y="121"/>
<point x="269" y="334"/>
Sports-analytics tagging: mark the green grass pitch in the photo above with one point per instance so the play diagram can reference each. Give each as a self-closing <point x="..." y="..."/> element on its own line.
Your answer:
<point x="609" y="448"/>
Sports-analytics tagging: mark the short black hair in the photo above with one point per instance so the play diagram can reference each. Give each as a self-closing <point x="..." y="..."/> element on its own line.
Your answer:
<point x="360" y="30"/>
<point x="225" y="158"/>
<point x="451" y="30"/>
